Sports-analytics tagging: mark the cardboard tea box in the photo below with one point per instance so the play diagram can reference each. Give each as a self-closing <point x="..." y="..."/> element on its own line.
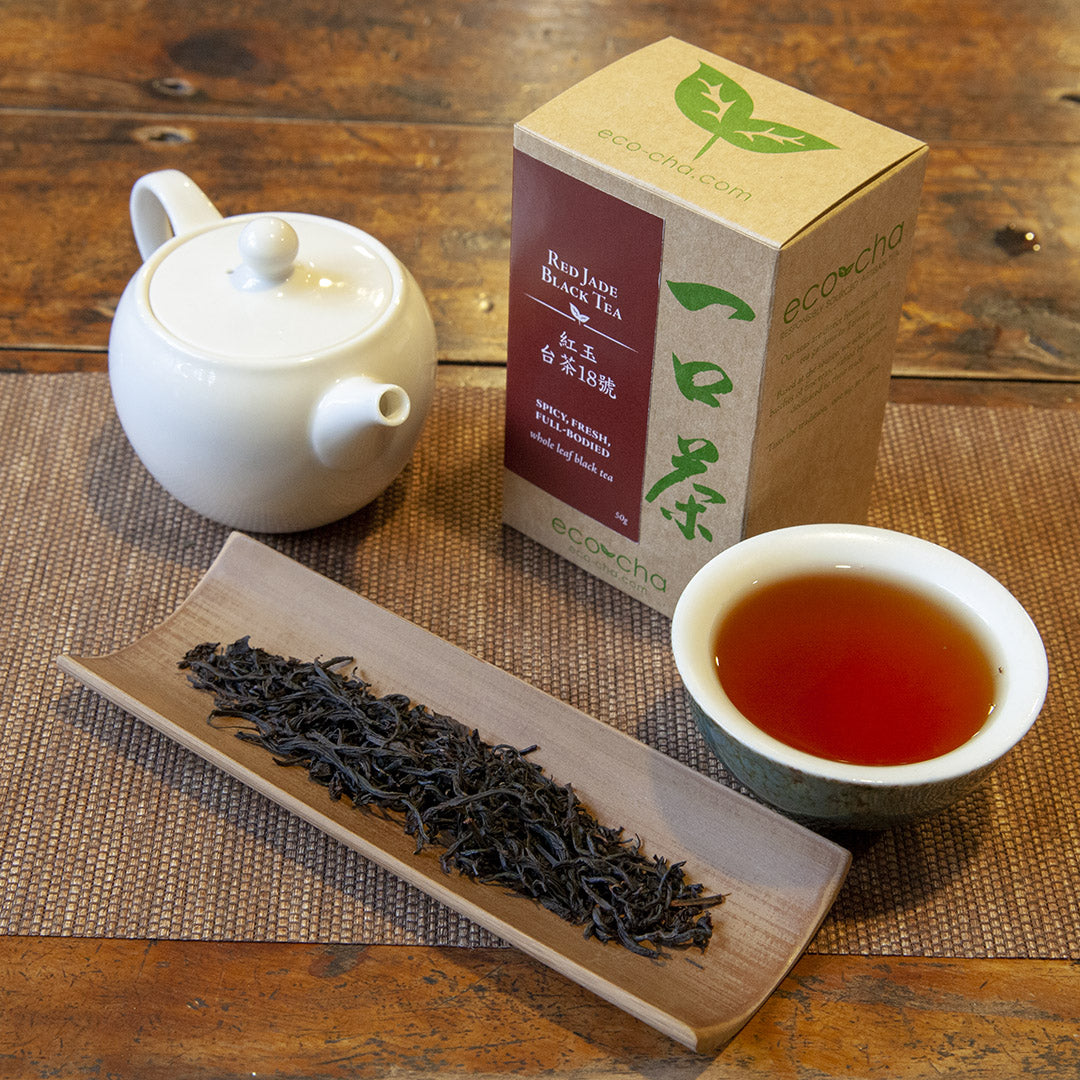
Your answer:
<point x="706" y="275"/>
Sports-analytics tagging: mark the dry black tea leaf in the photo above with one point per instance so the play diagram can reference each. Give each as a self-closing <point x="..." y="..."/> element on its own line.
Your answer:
<point x="497" y="817"/>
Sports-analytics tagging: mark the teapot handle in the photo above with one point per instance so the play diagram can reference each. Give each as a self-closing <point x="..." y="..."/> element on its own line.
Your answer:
<point x="165" y="204"/>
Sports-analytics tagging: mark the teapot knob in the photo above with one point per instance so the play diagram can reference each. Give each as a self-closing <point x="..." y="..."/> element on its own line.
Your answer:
<point x="268" y="247"/>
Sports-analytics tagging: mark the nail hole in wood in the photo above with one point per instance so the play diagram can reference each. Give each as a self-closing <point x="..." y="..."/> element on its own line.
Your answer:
<point x="161" y="134"/>
<point x="1014" y="241"/>
<point x="173" y="87"/>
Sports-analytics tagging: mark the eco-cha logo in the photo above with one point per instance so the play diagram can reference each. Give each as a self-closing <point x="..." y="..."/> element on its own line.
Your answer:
<point x="722" y="107"/>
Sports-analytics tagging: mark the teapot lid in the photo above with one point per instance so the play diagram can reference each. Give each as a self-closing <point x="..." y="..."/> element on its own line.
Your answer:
<point x="272" y="287"/>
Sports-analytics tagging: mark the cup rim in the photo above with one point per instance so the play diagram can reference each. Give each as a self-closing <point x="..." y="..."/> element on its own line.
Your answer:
<point x="1002" y="625"/>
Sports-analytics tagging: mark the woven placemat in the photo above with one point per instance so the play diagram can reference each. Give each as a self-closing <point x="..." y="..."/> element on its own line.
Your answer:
<point x="109" y="829"/>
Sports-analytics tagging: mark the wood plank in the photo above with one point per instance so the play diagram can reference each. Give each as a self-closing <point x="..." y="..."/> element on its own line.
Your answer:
<point x="53" y="360"/>
<point x="439" y="196"/>
<point x="985" y="69"/>
<point x="992" y="393"/>
<point x="978" y="299"/>
<point x="226" y="1010"/>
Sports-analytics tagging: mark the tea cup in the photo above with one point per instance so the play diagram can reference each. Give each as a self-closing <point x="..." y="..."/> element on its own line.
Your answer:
<point x="818" y="789"/>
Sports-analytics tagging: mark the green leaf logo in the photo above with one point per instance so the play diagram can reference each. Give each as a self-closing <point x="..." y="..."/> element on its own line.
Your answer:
<point x="695" y="295"/>
<point x="723" y="108"/>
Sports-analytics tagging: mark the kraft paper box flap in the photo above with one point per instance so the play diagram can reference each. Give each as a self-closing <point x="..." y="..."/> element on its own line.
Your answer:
<point x="678" y="119"/>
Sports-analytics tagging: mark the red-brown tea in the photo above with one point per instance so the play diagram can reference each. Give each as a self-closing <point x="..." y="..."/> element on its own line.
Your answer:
<point x="851" y="668"/>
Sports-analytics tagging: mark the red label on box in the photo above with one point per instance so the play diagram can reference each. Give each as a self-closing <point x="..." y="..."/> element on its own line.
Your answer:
<point x="584" y="290"/>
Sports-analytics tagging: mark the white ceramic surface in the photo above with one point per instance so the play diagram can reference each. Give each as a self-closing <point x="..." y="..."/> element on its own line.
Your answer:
<point x="272" y="371"/>
<point x="835" y="793"/>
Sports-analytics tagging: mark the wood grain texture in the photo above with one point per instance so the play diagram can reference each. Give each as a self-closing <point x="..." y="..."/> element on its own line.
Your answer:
<point x="222" y="1011"/>
<point x="966" y="71"/>
<point x="396" y="116"/>
<point x="439" y="197"/>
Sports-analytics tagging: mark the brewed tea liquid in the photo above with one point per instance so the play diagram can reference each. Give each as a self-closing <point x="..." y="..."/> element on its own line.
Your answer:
<point x="851" y="668"/>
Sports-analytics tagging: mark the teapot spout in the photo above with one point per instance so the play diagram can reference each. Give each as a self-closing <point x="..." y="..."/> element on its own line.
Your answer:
<point x="349" y="424"/>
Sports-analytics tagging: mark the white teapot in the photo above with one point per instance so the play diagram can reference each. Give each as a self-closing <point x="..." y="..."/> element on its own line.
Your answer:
<point x="272" y="372"/>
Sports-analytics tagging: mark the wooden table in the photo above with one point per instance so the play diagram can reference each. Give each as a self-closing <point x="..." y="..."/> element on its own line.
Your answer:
<point x="398" y="117"/>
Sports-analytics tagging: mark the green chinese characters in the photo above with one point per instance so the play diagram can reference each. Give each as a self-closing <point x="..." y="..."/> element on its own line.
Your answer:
<point x="701" y="382"/>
